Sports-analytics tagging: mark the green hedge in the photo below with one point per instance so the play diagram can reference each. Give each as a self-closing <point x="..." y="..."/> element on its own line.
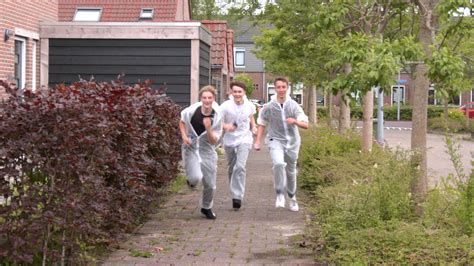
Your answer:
<point x="362" y="209"/>
<point x="390" y="112"/>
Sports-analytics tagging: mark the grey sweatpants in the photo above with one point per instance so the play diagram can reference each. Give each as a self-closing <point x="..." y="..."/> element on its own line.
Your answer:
<point x="284" y="167"/>
<point x="204" y="170"/>
<point x="236" y="161"/>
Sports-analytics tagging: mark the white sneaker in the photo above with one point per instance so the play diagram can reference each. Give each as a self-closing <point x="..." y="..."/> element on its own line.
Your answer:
<point x="280" y="201"/>
<point x="293" y="205"/>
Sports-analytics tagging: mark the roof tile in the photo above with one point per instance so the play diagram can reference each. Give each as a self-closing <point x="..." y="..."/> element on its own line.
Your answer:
<point x="218" y="30"/>
<point x="121" y="10"/>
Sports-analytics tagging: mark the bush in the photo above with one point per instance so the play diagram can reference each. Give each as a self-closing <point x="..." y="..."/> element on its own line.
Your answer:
<point x="322" y="155"/>
<point x="454" y="124"/>
<point x="363" y="210"/>
<point x="80" y="165"/>
<point x="456" y="114"/>
<point x="247" y="80"/>
<point x="399" y="243"/>
<point x="390" y="112"/>
<point x="451" y="206"/>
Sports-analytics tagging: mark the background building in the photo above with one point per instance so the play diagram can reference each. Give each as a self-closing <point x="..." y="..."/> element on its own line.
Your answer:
<point x="19" y="45"/>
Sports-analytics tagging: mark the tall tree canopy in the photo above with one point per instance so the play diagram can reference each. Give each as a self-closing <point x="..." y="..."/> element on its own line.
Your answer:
<point x="352" y="46"/>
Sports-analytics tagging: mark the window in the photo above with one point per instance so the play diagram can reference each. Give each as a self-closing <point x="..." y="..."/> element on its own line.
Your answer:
<point x="255" y="86"/>
<point x="297" y="98"/>
<point x="216" y="82"/>
<point x="472" y="95"/>
<point x="146" y="13"/>
<point x="88" y="14"/>
<point x="239" y="56"/>
<point x="398" y="94"/>
<point x="270" y="91"/>
<point x="20" y="59"/>
<point x="432" y="96"/>
<point x="455" y="100"/>
<point x="33" y="65"/>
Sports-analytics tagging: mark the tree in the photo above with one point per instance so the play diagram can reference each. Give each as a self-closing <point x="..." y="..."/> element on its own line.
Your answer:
<point x="228" y="10"/>
<point x="436" y="26"/>
<point x="341" y="42"/>
<point x="353" y="46"/>
<point x="247" y="80"/>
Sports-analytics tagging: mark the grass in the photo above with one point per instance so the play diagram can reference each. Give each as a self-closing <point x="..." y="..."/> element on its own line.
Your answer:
<point x="362" y="208"/>
<point x="140" y="253"/>
<point x="197" y="252"/>
<point x="177" y="185"/>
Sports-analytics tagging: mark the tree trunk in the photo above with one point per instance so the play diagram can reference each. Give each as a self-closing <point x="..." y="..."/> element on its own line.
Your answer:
<point x="344" y="114"/>
<point x="344" y="108"/>
<point x="306" y="99"/>
<point x="368" y="115"/>
<point x="312" y="113"/>
<point x="328" y="102"/>
<point x="445" y="108"/>
<point x="420" y="101"/>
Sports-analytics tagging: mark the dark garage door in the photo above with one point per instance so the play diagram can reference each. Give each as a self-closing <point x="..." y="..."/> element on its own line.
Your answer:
<point x="163" y="61"/>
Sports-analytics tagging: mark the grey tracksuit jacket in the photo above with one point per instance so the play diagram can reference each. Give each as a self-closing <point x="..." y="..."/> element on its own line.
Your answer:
<point x="283" y="141"/>
<point x="200" y="158"/>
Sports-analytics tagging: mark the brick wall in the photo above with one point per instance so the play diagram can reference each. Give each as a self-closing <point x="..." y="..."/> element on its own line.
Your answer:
<point x="23" y="17"/>
<point x="259" y="85"/>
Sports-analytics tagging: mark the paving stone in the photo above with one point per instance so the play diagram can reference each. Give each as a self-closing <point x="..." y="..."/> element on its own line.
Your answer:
<point x="257" y="234"/>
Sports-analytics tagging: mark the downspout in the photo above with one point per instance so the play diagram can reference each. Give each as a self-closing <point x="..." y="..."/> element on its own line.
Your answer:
<point x="265" y="88"/>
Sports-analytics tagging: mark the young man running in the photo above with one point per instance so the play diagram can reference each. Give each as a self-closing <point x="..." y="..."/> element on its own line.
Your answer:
<point x="239" y="124"/>
<point x="201" y="128"/>
<point x="281" y="117"/>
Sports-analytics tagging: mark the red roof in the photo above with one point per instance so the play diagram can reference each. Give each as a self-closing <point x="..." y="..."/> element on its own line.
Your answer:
<point x="230" y="50"/>
<point x="218" y="29"/>
<point x="121" y="10"/>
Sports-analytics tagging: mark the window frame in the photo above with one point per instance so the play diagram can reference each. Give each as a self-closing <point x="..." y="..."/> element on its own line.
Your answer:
<point x="392" y="100"/>
<point x="34" y="46"/>
<point x="79" y="9"/>
<point x="239" y="50"/>
<point x="141" y="17"/>
<point x="22" y="62"/>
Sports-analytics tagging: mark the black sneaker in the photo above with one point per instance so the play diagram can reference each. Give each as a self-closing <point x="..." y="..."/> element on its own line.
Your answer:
<point x="192" y="187"/>
<point x="208" y="213"/>
<point x="236" y="203"/>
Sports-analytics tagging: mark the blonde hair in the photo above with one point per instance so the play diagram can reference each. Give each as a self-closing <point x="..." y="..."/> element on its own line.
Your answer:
<point x="208" y="88"/>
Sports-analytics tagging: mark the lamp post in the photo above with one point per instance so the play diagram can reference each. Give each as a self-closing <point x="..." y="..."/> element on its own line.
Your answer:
<point x="380" y="136"/>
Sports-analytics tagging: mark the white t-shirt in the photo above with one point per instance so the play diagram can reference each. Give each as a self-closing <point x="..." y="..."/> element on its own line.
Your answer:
<point x="240" y="115"/>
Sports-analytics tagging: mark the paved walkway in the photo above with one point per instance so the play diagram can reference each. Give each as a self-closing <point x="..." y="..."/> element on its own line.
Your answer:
<point x="398" y="134"/>
<point x="439" y="160"/>
<point x="258" y="234"/>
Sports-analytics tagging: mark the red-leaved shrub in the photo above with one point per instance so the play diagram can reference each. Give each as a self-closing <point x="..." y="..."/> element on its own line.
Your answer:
<point x="79" y="165"/>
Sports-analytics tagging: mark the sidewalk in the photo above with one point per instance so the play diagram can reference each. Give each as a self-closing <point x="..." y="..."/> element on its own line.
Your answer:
<point x="257" y="234"/>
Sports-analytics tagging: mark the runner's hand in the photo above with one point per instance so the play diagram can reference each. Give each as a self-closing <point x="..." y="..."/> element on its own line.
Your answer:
<point x="229" y="127"/>
<point x="207" y="122"/>
<point x="186" y="141"/>
<point x="254" y="130"/>
<point x="291" y="121"/>
<point x="256" y="146"/>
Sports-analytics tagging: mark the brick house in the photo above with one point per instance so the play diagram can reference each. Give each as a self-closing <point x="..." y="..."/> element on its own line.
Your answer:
<point x="143" y="39"/>
<point x="20" y="42"/>
<point x="246" y="62"/>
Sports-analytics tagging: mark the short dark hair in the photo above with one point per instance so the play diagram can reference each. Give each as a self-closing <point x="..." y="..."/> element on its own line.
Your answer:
<point x="282" y="79"/>
<point x="238" y="84"/>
